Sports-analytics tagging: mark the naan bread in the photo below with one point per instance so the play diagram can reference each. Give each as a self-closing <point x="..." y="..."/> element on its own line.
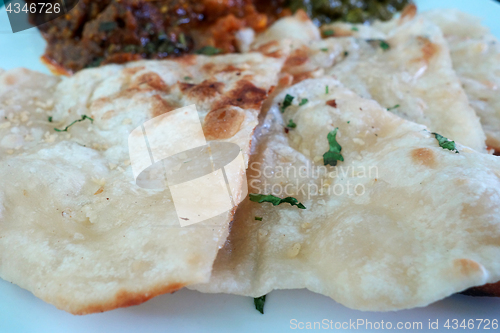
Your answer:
<point x="476" y="58"/>
<point x="75" y="229"/>
<point x="414" y="78"/>
<point x="415" y="222"/>
<point x="298" y="28"/>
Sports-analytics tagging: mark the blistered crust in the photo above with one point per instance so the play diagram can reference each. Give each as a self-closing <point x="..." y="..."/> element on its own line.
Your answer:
<point x="425" y="225"/>
<point x="92" y="239"/>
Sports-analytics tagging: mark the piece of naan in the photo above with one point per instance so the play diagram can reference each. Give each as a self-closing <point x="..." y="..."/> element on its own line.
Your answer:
<point x="75" y="229"/>
<point x="412" y="75"/>
<point x="476" y="58"/>
<point x="400" y="223"/>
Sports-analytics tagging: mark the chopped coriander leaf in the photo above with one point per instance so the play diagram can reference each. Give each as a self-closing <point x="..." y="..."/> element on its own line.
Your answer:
<point x="346" y="54"/>
<point x="260" y="198"/>
<point x="384" y="45"/>
<point x="446" y="143"/>
<point x="131" y="48"/>
<point x="379" y="42"/>
<point x="76" y="121"/>
<point x="326" y="90"/>
<point x="107" y="26"/>
<point x="182" y="39"/>
<point x="333" y="154"/>
<point x="149" y="28"/>
<point x="286" y="102"/>
<point x="209" y="50"/>
<point x="259" y="303"/>
<point x="354" y="29"/>
<point x="50" y="119"/>
<point x="162" y="35"/>
<point x="394" y="107"/>
<point x="257" y="218"/>
<point x="187" y="78"/>
<point x="329" y="32"/>
<point x="95" y="63"/>
<point x="324" y="49"/>
<point x="303" y="101"/>
<point x="348" y="121"/>
<point x="166" y="47"/>
<point x="291" y="124"/>
<point x="150" y="48"/>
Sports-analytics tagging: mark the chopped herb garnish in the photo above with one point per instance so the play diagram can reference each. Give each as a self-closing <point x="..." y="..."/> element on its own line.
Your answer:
<point x="326" y="90"/>
<point x="291" y="124"/>
<point x="149" y="28"/>
<point x="346" y="53"/>
<point x="182" y="39"/>
<point x="260" y="198"/>
<point x="95" y="63"/>
<point x="107" y="26"/>
<point x="394" y="107"/>
<point x="380" y="42"/>
<point x="166" y="47"/>
<point x="209" y="50"/>
<point x="324" y="49"/>
<point x="76" y="121"/>
<point x="50" y="119"/>
<point x="333" y="154"/>
<point x="445" y="143"/>
<point x="150" y="48"/>
<point x="259" y="303"/>
<point x="354" y="29"/>
<point x="286" y="102"/>
<point x="131" y="48"/>
<point x="258" y="218"/>
<point x="303" y="101"/>
<point x="348" y="121"/>
<point x="162" y="35"/>
<point x="329" y="32"/>
<point x="384" y="45"/>
<point x="187" y="78"/>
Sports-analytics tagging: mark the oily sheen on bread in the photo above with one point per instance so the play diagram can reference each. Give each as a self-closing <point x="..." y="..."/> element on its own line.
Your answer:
<point x="400" y="222"/>
<point x="406" y="67"/>
<point x="476" y="58"/>
<point x="75" y="229"/>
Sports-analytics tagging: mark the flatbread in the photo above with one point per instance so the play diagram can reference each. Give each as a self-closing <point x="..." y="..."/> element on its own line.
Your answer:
<point x="476" y="58"/>
<point x="75" y="229"/>
<point x="298" y="28"/>
<point x="414" y="223"/>
<point x="414" y="78"/>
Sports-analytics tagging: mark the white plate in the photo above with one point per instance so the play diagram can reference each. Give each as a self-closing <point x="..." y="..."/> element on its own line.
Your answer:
<point x="190" y="311"/>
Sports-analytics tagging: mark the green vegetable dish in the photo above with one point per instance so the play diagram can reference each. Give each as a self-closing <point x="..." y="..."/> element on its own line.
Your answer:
<point x="326" y="11"/>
